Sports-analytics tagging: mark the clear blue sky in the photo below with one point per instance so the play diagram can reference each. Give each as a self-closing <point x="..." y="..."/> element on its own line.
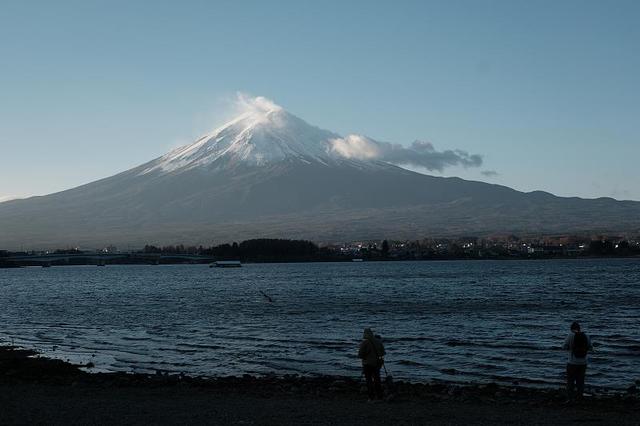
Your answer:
<point x="547" y="92"/>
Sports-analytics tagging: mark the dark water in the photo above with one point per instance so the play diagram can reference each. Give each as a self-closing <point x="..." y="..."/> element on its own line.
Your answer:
<point x="462" y="321"/>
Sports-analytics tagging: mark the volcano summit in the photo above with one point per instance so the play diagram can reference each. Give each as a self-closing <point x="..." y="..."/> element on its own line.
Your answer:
<point x="268" y="173"/>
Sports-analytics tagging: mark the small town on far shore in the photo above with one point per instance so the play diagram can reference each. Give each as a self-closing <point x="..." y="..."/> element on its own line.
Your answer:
<point x="284" y="250"/>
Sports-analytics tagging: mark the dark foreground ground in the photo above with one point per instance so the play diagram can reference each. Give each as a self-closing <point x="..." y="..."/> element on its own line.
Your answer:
<point x="43" y="391"/>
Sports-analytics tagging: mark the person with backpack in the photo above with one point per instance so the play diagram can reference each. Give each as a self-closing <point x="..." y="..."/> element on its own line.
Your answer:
<point x="371" y="352"/>
<point x="578" y="344"/>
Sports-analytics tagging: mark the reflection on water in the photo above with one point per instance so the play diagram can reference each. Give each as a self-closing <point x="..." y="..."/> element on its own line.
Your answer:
<point x="479" y="320"/>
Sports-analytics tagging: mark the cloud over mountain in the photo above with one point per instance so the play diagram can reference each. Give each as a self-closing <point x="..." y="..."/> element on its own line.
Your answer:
<point x="264" y="132"/>
<point x="420" y="153"/>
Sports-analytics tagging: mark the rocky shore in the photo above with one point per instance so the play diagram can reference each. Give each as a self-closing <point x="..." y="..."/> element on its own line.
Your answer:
<point x="38" y="390"/>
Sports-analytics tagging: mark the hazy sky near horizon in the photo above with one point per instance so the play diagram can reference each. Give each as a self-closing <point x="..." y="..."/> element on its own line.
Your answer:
<point x="547" y="92"/>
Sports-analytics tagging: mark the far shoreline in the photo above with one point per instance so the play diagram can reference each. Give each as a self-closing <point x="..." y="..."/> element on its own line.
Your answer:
<point x="8" y="263"/>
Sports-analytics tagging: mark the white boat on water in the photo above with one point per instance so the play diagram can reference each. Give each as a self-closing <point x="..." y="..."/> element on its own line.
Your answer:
<point x="226" y="264"/>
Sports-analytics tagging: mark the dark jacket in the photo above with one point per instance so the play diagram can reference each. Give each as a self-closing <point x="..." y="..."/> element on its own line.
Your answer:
<point x="568" y="346"/>
<point x="371" y="351"/>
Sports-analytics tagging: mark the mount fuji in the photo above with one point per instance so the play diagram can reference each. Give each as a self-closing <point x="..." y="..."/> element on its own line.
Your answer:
<point x="268" y="173"/>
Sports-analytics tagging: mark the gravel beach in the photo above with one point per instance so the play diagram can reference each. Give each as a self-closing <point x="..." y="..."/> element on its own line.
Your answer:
<point x="36" y="390"/>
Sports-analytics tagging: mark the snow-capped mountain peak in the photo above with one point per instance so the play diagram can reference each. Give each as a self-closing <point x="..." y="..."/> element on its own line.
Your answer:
<point x="262" y="133"/>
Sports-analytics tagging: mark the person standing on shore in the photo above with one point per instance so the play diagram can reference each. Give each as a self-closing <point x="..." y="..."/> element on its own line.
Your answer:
<point x="578" y="344"/>
<point x="371" y="352"/>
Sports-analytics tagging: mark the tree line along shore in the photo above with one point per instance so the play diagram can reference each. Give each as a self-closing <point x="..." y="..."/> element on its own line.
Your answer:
<point x="284" y="250"/>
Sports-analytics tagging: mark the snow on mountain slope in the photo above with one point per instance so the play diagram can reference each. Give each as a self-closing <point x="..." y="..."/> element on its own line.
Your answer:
<point x="265" y="133"/>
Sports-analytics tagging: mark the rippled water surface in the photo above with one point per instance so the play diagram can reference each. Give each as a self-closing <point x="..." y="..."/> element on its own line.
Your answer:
<point x="463" y="321"/>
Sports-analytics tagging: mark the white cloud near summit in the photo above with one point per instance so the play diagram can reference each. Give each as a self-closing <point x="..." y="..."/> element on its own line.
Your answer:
<point x="356" y="146"/>
<point x="254" y="104"/>
<point x="420" y="153"/>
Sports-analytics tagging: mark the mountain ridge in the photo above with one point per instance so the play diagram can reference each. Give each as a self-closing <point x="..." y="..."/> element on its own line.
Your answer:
<point x="268" y="173"/>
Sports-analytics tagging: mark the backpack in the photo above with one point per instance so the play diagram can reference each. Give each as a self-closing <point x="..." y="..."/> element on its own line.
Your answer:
<point x="580" y="345"/>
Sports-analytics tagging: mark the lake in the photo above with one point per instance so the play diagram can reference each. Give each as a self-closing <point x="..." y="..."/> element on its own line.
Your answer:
<point x="481" y="321"/>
